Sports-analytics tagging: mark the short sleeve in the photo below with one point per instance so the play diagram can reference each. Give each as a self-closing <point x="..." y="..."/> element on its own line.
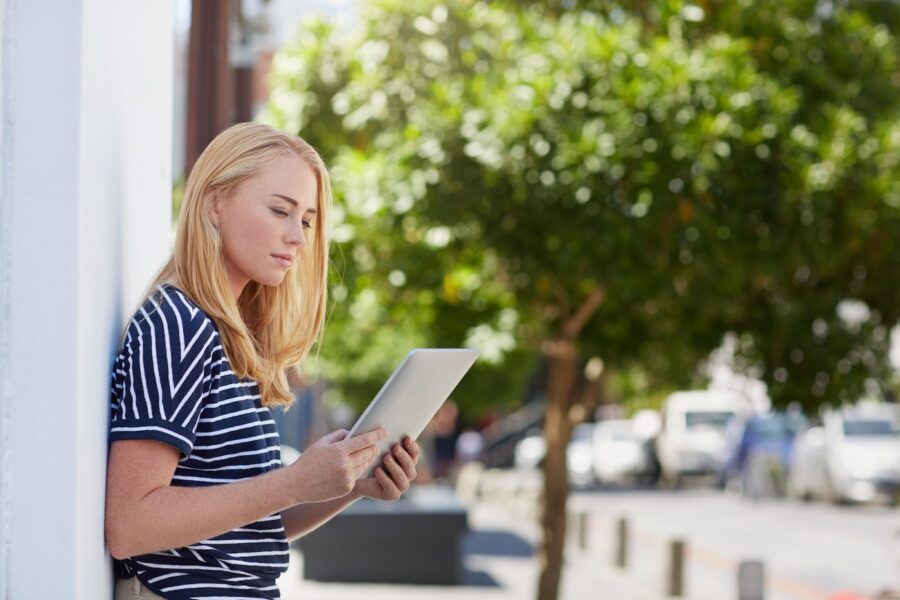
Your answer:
<point x="161" y="376"/>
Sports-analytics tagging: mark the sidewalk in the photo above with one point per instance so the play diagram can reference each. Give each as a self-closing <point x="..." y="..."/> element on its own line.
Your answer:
<point x="500" y="565"/>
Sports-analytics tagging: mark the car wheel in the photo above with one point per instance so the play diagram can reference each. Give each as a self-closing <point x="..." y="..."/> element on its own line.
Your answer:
<point x="721" y="482"/>
<point x="795" y="492"/>
<point x="831" y="493"/>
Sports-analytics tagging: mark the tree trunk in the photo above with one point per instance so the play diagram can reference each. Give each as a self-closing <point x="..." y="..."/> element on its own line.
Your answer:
<point x="564" y="375"/>
<point x="557" y="431"/>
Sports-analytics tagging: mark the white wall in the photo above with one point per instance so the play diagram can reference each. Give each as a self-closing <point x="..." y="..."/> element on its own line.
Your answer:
<point x="4" y="321"/>
<point x="85" y="188"/>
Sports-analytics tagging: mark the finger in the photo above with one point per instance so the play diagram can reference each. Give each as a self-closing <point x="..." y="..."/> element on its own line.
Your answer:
<point x="406" y="462"/>
<point x="412" y="448"/>
<point x="334" y="436"/>
<point x="389" y="490"/>
<point x="363" y="459"/>
<point x="363" y="451"/>
<point x="396" y="472"/>
<point x="358" y="442"/>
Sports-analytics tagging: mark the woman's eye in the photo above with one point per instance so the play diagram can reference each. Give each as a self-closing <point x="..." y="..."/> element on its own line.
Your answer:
<point x="280" y="212"/>
<point x="307" y="225"/>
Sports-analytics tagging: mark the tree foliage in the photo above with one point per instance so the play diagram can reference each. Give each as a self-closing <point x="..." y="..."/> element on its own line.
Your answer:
<point x="627" y="180"/>
<point x="727" y="169"/>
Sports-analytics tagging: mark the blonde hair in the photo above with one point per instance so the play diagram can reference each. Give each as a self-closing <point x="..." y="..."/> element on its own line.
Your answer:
<point x="269" y="329"/>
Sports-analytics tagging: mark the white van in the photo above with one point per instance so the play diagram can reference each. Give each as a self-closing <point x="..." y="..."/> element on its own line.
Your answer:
<point x="692" y="438"/>
<point x="853" y="456"/>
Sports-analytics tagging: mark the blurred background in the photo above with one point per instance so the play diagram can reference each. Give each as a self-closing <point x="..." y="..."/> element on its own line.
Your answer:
<point x="670" y="227"/>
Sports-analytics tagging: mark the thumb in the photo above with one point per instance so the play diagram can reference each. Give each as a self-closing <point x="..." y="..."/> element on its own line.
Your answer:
<point x="369" y="487"/>
<point x="335" y="436"/>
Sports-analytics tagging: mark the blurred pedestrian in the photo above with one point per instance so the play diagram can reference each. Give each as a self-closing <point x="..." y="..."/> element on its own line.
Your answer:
<point x="198" y="503"/>
<point x="469" y="445"/>
<point x="444" y="434"/>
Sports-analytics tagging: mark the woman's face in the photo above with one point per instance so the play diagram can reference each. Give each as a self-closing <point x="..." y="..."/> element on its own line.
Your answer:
<point x="264" y="221"/>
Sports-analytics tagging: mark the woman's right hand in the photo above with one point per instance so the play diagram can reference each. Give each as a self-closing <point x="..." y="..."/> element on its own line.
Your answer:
<point x="329" y="468"/>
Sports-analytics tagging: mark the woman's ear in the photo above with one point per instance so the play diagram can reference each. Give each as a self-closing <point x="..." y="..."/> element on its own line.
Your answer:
<point x="212" y="206"/>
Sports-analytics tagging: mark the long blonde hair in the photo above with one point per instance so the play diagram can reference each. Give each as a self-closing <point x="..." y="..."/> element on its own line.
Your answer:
<point x="269" y="329"/>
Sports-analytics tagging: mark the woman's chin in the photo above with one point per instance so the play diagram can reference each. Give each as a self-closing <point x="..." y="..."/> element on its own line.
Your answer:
<point x="271" y="280"/>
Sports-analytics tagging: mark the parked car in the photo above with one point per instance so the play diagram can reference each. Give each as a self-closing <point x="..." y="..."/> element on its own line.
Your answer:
<point x="530" y="450"/>
<point x="854" y="456"/>
<point x="580" y="455"/>
<point x="759" y="453"/>
<point x="692" y="439"/>
<point x="619" y="453"/>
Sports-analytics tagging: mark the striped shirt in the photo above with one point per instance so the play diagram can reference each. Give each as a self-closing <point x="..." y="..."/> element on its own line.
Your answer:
<point x="172" y="382"/>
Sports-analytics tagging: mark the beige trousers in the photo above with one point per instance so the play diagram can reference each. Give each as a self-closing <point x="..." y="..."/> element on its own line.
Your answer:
<point x="133" y="589"/>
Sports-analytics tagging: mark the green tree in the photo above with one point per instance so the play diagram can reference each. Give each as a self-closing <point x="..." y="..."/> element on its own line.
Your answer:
<point x="629" y="183"/>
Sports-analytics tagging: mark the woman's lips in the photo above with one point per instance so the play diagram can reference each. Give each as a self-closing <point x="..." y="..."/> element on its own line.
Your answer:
<point x="283" y="259"/>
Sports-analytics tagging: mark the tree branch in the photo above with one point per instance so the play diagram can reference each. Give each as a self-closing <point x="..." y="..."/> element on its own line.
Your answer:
<point x="577" y="322"/>
<point x="561" y="298"/>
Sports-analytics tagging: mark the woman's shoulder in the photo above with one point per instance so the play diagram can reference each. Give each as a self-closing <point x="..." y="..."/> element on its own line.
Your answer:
<point x="169" y="311"/>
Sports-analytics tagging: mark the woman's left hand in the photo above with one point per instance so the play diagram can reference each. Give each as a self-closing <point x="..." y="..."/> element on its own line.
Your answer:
<point x="393" y="476"/>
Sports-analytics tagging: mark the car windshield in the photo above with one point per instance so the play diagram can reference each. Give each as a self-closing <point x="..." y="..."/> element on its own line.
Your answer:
<point x="863" y="427"/>
<point x="616" y="432"/>
<point x="583" y="432"/>
<point x="711" y="418"/>
<point x="774" y="428"/>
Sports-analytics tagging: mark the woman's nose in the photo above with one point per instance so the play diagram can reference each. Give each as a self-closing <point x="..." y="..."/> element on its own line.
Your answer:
<point x="295" y="235"/>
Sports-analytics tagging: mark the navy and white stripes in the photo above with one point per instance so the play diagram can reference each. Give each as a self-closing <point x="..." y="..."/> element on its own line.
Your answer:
<point x="172" y="383"/>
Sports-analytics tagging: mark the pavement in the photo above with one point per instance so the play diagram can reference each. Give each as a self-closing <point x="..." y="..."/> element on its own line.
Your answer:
<point x="500" y="563"/>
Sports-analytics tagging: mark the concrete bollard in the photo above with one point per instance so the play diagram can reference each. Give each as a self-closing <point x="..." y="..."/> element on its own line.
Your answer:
<point x="751" y="580"/>
<point x="675" y="569"/>
<point x="621" y="559"/>
<point x="577" y="528"/>
<point x="583" y="522"/>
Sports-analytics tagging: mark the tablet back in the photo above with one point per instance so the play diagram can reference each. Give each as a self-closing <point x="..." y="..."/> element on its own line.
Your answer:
<point x="413" y="393"/>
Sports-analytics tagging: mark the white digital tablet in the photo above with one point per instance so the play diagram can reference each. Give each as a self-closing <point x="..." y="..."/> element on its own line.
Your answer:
<point x="413" y="394"/>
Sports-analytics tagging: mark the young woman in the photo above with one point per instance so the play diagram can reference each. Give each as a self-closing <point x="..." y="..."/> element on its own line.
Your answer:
<point x="198" y="504"/>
